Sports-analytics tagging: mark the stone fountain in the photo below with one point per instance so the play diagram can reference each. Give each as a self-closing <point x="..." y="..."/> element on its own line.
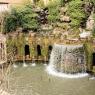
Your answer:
<point x="68" y="60"/>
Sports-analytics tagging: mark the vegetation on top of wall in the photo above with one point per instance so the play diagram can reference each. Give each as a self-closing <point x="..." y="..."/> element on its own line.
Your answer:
<point x="24" y="17"/>
<point x="53" y="11"/>
<point x="27" y="18"/>
<point x="76" y="13"/>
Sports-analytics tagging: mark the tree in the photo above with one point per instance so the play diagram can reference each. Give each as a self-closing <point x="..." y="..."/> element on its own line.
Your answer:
<point x="76" y="12"/>
<point x="53" y="11"/>
<point x="23" y="17"/>
<point x="11" y="21"/>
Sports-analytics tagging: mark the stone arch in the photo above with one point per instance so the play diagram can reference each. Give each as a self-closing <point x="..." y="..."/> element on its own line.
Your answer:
<point x="49" y="50"/>
<point x="27" y="50"/>
<point x="50" y="47"/>
<point x="39" y="50"/>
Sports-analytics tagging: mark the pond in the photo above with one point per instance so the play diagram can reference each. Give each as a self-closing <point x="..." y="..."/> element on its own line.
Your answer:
<point x="34" y="80"/>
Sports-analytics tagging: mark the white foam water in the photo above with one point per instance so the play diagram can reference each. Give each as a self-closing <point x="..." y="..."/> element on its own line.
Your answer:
<point x="50" y="70"/>
<point x="15" y="66"/>
<point x="92" y="78"/>
<point x="33" y="64"/>
<point x="25" y="65"/>
<point x="45" y="64"/>
<point x="58" y="53"/>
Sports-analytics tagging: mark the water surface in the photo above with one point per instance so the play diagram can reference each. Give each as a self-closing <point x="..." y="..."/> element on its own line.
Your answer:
<point x="36" y="81"/>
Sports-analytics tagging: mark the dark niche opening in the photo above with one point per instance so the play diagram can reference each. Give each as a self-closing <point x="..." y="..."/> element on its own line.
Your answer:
<point x="1" y="45"/>
<point x="49" y="50"/>
<point x="38" y="50"/>
<point x="93" y="59"/>
<point x="27" y="50"/>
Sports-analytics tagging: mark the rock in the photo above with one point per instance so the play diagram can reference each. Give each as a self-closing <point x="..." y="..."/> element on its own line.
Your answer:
<point x="65" y="18"/>
<point x="57" y="31"/>
<point x="46" y="27"/>
<point x="63" y="9"/>
<point x="90" y="22"/>
<point x="85" y="34"/>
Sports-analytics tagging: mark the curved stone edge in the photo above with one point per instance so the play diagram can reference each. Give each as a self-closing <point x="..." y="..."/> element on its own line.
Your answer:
<point x="51" y="71"/>
<point x="71" y="45"/>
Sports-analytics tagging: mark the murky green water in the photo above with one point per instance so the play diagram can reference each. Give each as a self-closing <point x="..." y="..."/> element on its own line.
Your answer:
<point x="35" y="81"/>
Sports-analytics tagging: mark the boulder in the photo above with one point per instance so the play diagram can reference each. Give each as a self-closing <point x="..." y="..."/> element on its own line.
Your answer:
<point x="57" y="31"/>
<point x="90" y="23"/>
<point x="85" y="34"/>
<point x="63" y="9"/>
<point x="46" y="27"/>
<point x="65" y="18"/>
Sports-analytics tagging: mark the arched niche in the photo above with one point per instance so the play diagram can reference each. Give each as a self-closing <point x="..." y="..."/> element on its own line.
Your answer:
<point x="39" y="50"/>
<point x="27" y="50"/>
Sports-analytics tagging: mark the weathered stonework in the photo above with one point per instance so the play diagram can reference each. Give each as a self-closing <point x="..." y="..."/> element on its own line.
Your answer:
<point x="37" y="45"/>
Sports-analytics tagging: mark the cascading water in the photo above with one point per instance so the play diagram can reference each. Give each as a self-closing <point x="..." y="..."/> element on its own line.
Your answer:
<point x="33" y="64"/>
<point x="24" y="63"/>
<point x="67" y="61"/>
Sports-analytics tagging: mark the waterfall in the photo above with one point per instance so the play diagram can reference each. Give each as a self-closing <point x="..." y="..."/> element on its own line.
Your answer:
<point x="67" y="61"/>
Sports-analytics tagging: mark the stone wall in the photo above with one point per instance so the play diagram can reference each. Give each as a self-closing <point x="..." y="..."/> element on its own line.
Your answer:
<point x="18" y="41"/>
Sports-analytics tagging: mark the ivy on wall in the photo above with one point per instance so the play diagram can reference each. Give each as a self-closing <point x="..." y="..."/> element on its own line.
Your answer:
<point x="88" y="50"/>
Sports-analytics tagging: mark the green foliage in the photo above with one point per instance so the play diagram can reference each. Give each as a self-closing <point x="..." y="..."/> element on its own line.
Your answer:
<point x="76" y="12"/>
<point x="44" y="51"/>
<point x="10" y="22"/>
<point x="53" y="12"/>
<point x="88" y="50"/>
<point x="24" y="17"/>
<point x="93" y="32"/>
<point x="41" y="4"/>
<point x="32" y="51"/>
